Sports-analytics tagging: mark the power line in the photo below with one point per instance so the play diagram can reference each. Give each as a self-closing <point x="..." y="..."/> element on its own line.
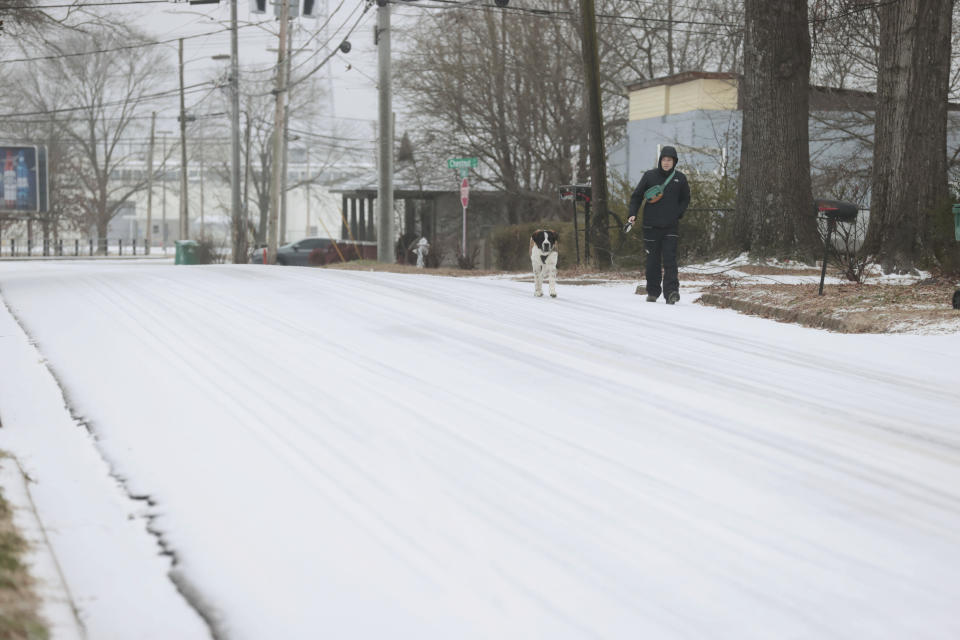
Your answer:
<point x="123" y="47"/>
<point x="625" y="20"/>
<point x="319" y="66"/>
<point x="329" y="137"/>
<point x="80" y="5"/>
<point x="554" y="13"/>
<point x="163" y="94"/>
<point x="330" y="39"/>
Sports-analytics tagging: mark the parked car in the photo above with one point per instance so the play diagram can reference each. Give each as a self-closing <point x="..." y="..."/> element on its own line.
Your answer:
<point x="296" y="253"/>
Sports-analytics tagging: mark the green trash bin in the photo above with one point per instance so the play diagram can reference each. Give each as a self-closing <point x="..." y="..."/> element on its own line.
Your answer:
<point x="186" y="252"/>
<point x="956" y="222"/>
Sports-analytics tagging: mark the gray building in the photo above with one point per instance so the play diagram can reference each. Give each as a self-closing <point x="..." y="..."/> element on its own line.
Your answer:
<point x="700" y="114"/>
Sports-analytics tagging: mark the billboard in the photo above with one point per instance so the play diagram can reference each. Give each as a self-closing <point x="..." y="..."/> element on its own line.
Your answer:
<point x="23" y="178"/>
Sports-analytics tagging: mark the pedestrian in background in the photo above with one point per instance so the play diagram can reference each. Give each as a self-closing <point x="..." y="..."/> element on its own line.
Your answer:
<point x="663" y="194"/>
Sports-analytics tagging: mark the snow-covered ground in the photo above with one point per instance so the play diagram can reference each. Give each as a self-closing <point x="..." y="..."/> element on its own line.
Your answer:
<point x="351" y="454"/>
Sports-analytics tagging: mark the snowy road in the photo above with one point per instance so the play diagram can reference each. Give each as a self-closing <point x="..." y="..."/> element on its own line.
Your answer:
<point x="366" y="455"/>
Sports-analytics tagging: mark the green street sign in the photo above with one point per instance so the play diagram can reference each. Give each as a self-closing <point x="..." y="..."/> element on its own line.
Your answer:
<point x="462" y="163"/>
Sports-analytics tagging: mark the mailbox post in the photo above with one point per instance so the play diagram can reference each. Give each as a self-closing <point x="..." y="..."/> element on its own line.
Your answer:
<point x="832" y="211"/>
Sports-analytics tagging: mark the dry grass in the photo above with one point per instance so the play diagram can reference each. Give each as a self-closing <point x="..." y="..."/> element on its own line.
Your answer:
<point x="368" y="265"/>
<point x="924" y="307"/>
<point x="19" y="605"/>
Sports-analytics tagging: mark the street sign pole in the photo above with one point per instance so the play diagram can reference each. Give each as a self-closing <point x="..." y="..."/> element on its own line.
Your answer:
<point x="464" y="199"/>
<point x="463" y="165"/>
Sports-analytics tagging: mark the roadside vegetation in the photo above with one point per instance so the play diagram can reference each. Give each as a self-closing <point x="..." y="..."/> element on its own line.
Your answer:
<point x="19" y="605"/>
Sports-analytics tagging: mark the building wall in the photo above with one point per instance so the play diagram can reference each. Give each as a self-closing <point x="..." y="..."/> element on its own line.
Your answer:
<point x="709" y="141"/>
<point x="700" y="94"/>
<point x="702" y="138"/>
<point x="648" y="103"/>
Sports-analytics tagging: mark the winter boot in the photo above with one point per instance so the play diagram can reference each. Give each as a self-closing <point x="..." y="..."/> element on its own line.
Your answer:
<point x="651" y="298"/>
<point x="673" y="297"/>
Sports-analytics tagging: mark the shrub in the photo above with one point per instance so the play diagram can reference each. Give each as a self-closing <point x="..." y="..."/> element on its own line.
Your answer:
<point x="209" y="252"/>
<point x="468" y="262"/>
<point x="435" y="257"/>
<point x="705" y="230"/>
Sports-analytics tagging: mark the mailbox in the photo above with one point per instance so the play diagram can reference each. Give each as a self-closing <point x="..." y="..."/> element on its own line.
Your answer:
<point x="836" y="210"/>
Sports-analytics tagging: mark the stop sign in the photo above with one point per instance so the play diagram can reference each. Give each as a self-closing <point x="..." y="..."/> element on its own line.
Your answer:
<point x="464" y="193"/>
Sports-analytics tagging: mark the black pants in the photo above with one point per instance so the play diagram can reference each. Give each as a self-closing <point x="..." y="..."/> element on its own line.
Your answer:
<point x="661" y="245"/>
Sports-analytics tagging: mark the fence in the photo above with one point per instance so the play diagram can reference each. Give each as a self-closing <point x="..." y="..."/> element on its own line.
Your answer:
<point x="77" y="248"/>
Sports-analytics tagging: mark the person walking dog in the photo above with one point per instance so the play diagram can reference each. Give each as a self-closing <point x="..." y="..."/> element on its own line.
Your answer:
<point x="663" y="194"/>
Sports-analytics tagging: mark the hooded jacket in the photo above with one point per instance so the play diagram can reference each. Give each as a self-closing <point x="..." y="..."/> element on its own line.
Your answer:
<point x="668" y="210"/>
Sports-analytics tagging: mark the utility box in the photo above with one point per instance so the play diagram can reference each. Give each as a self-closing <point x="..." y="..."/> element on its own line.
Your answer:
<point x="956" y="222"/>
<point x="186" y="252"/>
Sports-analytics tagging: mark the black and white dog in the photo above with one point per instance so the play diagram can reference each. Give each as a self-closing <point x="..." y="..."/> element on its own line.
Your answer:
<point x="543" y="257"/>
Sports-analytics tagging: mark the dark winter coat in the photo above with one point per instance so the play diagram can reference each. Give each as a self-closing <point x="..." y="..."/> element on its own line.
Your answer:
<point x="668" y="210"/>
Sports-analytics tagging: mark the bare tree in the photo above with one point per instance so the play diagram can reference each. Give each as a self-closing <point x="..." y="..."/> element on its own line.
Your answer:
<point x="506" y="90"/>
<point x="93" y="101"/>
<point x="506" y="86"/>
<point x="910" y="156"/>
<point x="774" y="202"/>
<point x="644" y="40"/>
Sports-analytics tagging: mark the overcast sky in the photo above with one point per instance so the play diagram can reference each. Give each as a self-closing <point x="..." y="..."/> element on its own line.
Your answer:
<point x="352" y="76"/>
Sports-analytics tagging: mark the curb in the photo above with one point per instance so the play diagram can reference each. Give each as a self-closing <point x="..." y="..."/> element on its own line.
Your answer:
<point x="792" y="316"/>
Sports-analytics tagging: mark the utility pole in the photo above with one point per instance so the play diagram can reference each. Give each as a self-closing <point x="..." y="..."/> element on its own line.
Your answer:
<point x="385" y="156"/>
<point x="184" y="222"/>
<point x="149" y="236"/>
<point x="246" y="182"/>
<point x="239" y="225"/>
<point x="163" y="184"/>
<point x="202" y="223"/>
<point x="286" y="143"/>
<point x="307" y="187"/>
<point x="281" y="92"/>
<point x="598" y="163"/>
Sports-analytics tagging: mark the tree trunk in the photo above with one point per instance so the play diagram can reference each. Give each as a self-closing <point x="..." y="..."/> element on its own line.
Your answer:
<point x="774" y="214"/>
<point x="102" y="240"/>
<point x="910" y="153"/>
